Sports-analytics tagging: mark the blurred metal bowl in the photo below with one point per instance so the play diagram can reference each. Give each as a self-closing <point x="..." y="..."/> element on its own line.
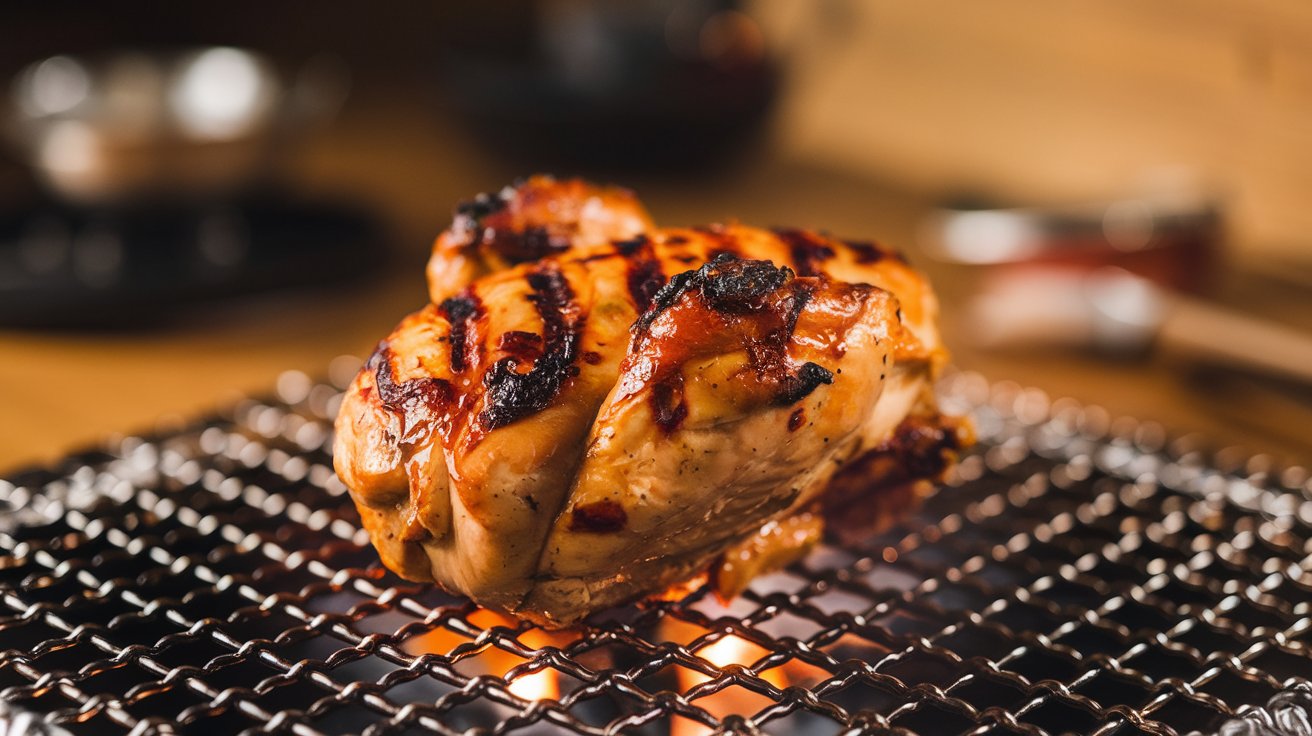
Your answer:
<point x="198" y="123"/>
<point x="1173" y="238"/>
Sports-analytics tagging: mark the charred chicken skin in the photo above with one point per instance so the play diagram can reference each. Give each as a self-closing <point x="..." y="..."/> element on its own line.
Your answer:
<point x="599" y="413"/>
<point x="536" y="218"/>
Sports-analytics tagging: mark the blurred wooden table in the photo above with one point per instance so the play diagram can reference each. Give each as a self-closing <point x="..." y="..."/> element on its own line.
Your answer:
<point x="63" y="390"/>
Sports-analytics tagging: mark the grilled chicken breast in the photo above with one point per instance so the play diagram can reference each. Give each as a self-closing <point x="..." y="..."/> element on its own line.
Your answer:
<point x="573" y="426"/>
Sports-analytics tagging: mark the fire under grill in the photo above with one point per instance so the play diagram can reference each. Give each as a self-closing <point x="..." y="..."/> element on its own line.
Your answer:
<point x="1077" y="575"/>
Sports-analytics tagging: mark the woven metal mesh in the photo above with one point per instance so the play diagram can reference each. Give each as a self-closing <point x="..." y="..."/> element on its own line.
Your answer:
<point x="1077" y="575"/>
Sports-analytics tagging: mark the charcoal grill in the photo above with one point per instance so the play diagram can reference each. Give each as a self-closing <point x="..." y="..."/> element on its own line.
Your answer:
<point x="1076" y="575"/>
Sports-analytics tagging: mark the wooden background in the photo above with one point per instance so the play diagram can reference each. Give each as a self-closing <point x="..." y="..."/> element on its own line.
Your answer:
<point x="1065" y="100"/>
<point x="890" y="106"/>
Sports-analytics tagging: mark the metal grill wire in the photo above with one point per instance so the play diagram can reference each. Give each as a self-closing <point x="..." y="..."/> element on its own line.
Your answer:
<point x="1076" y="575"/>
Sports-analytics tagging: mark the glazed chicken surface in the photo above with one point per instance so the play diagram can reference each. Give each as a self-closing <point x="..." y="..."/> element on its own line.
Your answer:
<point x="593" y="409"/>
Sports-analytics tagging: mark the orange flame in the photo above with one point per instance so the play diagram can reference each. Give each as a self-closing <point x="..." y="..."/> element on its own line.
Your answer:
<point x="727" y="651"/>
<point x="541" y="685"/>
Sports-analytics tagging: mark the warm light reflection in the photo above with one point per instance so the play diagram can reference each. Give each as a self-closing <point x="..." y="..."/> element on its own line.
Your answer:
<point x="54" y="86"/>
<point x="72" y="149"/>
<point x="541" y="685"/>
<point x="221" y="93"/>
<point x="680" y="590"/>
<point x="544" y="684"/>
<point x="728" y="651"/>
<point x="734" y="650"/>
<point x="435" y="641"/>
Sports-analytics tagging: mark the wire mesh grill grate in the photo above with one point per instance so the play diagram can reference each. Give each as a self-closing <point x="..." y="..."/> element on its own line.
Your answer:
<point x="1075" y="576"/>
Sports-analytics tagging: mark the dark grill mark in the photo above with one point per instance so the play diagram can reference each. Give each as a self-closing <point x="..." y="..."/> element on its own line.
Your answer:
<point x="512" y="395"/>
<point x="539" y="241"/>
<point x="461" y="311"/>
<point x="598" y="516"/>
<point x="644" y="276"/>
<point x="417" y="401"/>
<point x="808" y="250"/>
<point x="801" y="295"/>
<point x="664" y="299"/>
<point x="867" y="252"/>
<point x="738" y="288"/>
<point x="724" y="244"/>
<point x="592" y="357"/>
<point x="630" y="246"/>
<point x="668" y="407"/>
<point x="796" y="420"/>
<point x="797" y="386"/>
<point x="489" y="223"/>
<point x="645" y="279"/>
<point x="479" y="207"/>
<point x="530" y="244"/>
<point x="728" y="284"/>
<point x="526" y="346"/>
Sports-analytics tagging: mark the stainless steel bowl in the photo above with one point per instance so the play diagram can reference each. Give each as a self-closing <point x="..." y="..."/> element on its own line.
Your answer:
<point x="201" y="122"/>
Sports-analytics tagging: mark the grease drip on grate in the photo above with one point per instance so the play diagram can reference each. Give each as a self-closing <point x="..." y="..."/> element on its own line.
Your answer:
<point x="1076" y="575"/>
